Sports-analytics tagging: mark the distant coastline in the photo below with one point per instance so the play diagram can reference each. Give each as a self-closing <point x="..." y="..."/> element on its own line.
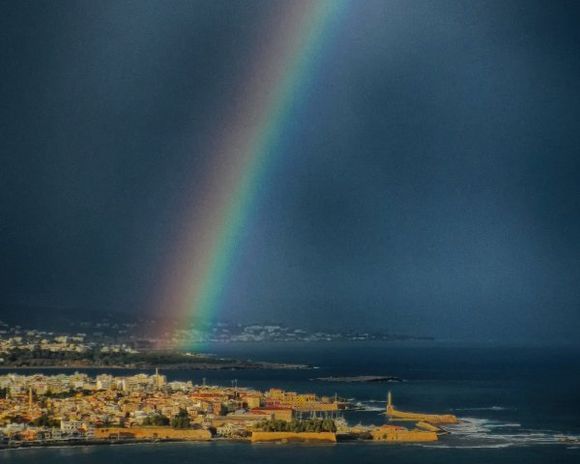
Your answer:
<point x="233" y="365"/>
<point x="77" y="356"/>
<point x="360" y="379"/>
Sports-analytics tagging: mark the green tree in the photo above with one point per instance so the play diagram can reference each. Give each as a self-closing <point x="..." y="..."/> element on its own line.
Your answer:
<point x="181" y="420"/>
<point x="309" y="425"/>
<point x="45" y="421"/>
<point x="157" y="420"/>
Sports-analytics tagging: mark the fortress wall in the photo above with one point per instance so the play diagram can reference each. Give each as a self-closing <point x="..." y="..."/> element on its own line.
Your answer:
<point x="153" y="433"/>
<point x="293" y="436"/>
<point x="403" y="436"/>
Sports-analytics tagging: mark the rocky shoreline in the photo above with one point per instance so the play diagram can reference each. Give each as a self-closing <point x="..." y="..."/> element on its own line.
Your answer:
<point x="183" y="363"/>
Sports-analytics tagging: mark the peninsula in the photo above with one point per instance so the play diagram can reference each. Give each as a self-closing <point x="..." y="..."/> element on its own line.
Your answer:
<point x="165" y="359"/>
<point x="41" y="350"/>
<point x="41" y="410"/>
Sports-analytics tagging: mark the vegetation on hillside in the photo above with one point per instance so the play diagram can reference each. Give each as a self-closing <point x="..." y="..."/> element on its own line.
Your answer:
<point x="156" y="420"/>
<point x="181" y="420"/>
<point x="96" y="358"/>
<point x="309" y="425"/>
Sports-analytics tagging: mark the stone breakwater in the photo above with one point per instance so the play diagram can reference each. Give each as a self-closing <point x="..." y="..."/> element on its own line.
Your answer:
<point x="327" y="437"/>
<point x="152" y="433"/>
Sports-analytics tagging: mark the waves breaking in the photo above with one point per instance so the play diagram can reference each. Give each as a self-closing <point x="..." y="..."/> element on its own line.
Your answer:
<point x="474" y="432"/>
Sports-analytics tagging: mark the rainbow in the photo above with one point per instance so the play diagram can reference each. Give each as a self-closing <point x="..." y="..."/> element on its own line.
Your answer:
<point x="249" y="140"/>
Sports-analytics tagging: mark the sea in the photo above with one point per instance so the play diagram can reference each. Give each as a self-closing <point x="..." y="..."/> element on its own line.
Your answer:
<point x="517" y="404"/>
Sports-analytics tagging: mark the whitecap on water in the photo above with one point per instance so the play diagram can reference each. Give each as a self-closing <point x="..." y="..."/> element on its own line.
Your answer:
<point x="478" y="432"/>
<point x="502" y="426"/>
<point x="360" y="406"/>
<point x="485" y="408"/>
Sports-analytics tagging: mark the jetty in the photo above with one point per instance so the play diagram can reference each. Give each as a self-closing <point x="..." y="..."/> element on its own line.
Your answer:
<point x="434" y="419"/>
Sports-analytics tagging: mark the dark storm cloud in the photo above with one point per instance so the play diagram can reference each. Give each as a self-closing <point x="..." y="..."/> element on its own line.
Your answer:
<point x="429" y="181"/>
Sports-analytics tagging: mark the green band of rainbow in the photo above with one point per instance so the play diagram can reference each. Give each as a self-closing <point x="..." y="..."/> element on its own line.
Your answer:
<point x="278" y="80"/>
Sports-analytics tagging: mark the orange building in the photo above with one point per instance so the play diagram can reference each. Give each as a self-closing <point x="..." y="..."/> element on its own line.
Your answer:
<point x="276" y="397"/>
<point x="274" y="412"/>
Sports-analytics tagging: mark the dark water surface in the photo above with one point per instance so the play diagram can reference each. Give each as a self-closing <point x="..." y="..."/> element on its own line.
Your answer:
<point x="515" y="404"/>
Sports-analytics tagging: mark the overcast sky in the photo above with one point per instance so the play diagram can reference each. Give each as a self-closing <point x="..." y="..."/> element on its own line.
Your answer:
<point x="429" y="183"/>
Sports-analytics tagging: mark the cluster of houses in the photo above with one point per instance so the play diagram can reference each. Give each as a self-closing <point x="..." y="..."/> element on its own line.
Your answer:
<point x="72" y="407"/>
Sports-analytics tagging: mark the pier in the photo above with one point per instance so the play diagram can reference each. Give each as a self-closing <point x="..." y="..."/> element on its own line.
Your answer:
<point x="435" y="419"/>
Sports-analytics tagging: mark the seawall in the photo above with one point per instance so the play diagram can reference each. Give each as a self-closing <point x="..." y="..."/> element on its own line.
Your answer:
<point x="327" y="437"/>
<point x="152" y="433"/>
<point x="402" y="435"/>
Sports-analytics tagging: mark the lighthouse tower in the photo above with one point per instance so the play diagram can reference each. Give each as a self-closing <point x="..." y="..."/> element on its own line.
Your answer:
<point x="389" y="403"/>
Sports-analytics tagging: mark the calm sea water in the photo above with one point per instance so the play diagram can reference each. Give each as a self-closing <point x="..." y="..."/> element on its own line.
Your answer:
<point x="515" y="404"/>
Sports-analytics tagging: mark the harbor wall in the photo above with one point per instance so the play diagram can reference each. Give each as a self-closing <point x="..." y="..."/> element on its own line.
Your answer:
<point x="422" y="417"/>
<point x="401" y="435"/>
<point x="152" y="433"/>
<point x="293" y="436"/>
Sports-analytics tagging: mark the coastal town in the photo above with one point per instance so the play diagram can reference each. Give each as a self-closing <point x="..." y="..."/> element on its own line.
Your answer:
<point x="45" y="410"/>
<point x="114" y="333"/>
<point x="33" y="348"/>
<point x="108" y="344"/>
